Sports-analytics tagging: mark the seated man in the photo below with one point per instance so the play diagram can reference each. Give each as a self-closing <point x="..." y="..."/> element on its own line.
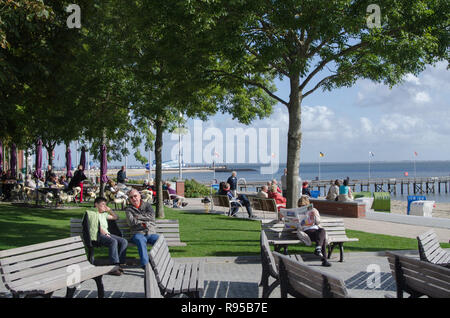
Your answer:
<point x="142" y="222"/>
<point x="98" y="231"/>
<point x="241" y="198"/>
<point x="263" y="193"/>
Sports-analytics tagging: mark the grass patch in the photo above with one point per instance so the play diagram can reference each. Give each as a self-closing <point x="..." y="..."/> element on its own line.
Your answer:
<point x="205" y="234"/>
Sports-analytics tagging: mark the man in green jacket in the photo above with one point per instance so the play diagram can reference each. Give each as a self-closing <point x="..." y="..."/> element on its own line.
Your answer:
<point x="98" y="231"/>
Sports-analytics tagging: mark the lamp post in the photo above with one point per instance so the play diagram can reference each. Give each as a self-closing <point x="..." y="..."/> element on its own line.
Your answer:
<point x="180" y="173"/>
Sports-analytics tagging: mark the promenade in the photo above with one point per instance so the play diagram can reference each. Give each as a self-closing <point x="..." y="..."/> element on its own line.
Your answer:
<point x="239" y="277"/>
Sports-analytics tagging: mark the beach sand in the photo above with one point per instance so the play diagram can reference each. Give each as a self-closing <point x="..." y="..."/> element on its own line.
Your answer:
<point x="442" y="210"/>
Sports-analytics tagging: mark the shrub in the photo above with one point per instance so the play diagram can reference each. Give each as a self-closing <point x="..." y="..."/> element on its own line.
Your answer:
<point x="193" y="189"/>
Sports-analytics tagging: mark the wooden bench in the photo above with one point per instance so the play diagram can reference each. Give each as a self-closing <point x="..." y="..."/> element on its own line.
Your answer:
<point x="265" y="205"/>
<point x="419" y="278"/>
<point x="41" y="269"/>
<point x="430" y="250"/>
<point x="269" y="267"/>
<point x="174" y="278"/>
<point x="224" y="201"/>
<point x="302" y="281"/>
<point x="169" y="228"/>
<point x="281" y="237"/>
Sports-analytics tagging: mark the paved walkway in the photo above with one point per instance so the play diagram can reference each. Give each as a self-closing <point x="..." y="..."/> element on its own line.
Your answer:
<point x="239" y="277"/>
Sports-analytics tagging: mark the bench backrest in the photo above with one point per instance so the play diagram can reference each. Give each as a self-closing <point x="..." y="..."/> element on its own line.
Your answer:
<point x="430" y="250"/>
<point x="150" y="284"/>
<point x="161" y="261"/>
<point x="301" y="280"/>
<point x="334" y="228"/>
<point x="170" y="229"/>
<point x="419" y="276"/>
<point x="276" y="230"/>
<point x="25" y="265"/>
<point x="267" y="257"/>
<point x="264" y="204"/>
<point x="221" y="200"/>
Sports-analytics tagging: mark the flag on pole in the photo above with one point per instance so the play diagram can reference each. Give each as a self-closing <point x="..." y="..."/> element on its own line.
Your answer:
<point x="415" y="154"/>
<point x="371" y="154"/>
<point x="321" y="154"/>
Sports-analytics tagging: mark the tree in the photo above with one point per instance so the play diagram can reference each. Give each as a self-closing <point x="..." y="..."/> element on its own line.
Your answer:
<point x="320" y="44"/>
<point x="169" y="58"/>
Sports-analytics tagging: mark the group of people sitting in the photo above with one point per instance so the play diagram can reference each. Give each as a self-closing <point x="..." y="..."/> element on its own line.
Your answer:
<point x="271" y="190"/>
<point x="150" y="192"/>
<point x="340" y="192"/>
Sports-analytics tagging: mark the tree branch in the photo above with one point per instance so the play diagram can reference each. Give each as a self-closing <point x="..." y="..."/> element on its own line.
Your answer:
<point x="334" y="57"/>
<point x="254" y="83"/>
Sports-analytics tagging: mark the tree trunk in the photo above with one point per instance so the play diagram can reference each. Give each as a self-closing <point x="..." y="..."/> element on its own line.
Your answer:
<point x="50" y="148"/>
<point x="158" y="178"/>
<point x="102" y="184"/>
<point x="294" y="143"/>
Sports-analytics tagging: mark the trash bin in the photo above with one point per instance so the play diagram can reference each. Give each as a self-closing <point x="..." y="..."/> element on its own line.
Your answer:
<point x="368" y="202"/>
<point x="422" y="208"/>
<point x="315" y="194"/>
<point x="382" y="201"/>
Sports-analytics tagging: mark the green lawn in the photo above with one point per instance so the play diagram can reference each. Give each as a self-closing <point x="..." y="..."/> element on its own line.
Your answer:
<point x="205" y="234"/>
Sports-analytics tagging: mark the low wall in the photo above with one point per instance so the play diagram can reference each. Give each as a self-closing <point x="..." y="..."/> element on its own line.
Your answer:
<point x="347" y="209"/>
<point x="410" y="219"/>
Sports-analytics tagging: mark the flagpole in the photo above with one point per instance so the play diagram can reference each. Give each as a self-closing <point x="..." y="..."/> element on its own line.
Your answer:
<point x="319" y="166"/>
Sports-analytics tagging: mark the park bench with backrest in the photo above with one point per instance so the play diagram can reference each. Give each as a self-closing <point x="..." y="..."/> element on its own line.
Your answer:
<point x="281" y="237"/>
<point x="300" y="280"/>
<point x="265" y="205"/>
<point x="269" y="267"/>
<point x="41" y="269"/>
<point x="169" y="228"/>
<point x="419" y="278"/>
<point x="175" y="278"/>
<point x="430" y="250"/>
<point x="224" y="201"/>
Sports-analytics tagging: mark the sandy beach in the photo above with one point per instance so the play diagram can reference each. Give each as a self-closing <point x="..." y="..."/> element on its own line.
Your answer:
<point x="442" y="210"/>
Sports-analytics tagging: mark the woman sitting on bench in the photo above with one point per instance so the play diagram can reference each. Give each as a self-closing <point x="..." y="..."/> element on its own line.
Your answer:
<point x="310" y="226"/>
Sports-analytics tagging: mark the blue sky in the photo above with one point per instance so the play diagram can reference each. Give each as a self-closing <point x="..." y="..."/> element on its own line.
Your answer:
<point x="345" y="124"/>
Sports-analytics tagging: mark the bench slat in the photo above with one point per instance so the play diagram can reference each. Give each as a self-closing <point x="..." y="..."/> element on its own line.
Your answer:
<point x="41" y="253"/>
<point x="187" y="276"/>
<point x="171" y="282"/>
<point x="53" y="285"/>
<point x="47" y="276"/>
<point x="54" y="259"/>
<point x="179" y="278"/>
<point x="40" y="246"/>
